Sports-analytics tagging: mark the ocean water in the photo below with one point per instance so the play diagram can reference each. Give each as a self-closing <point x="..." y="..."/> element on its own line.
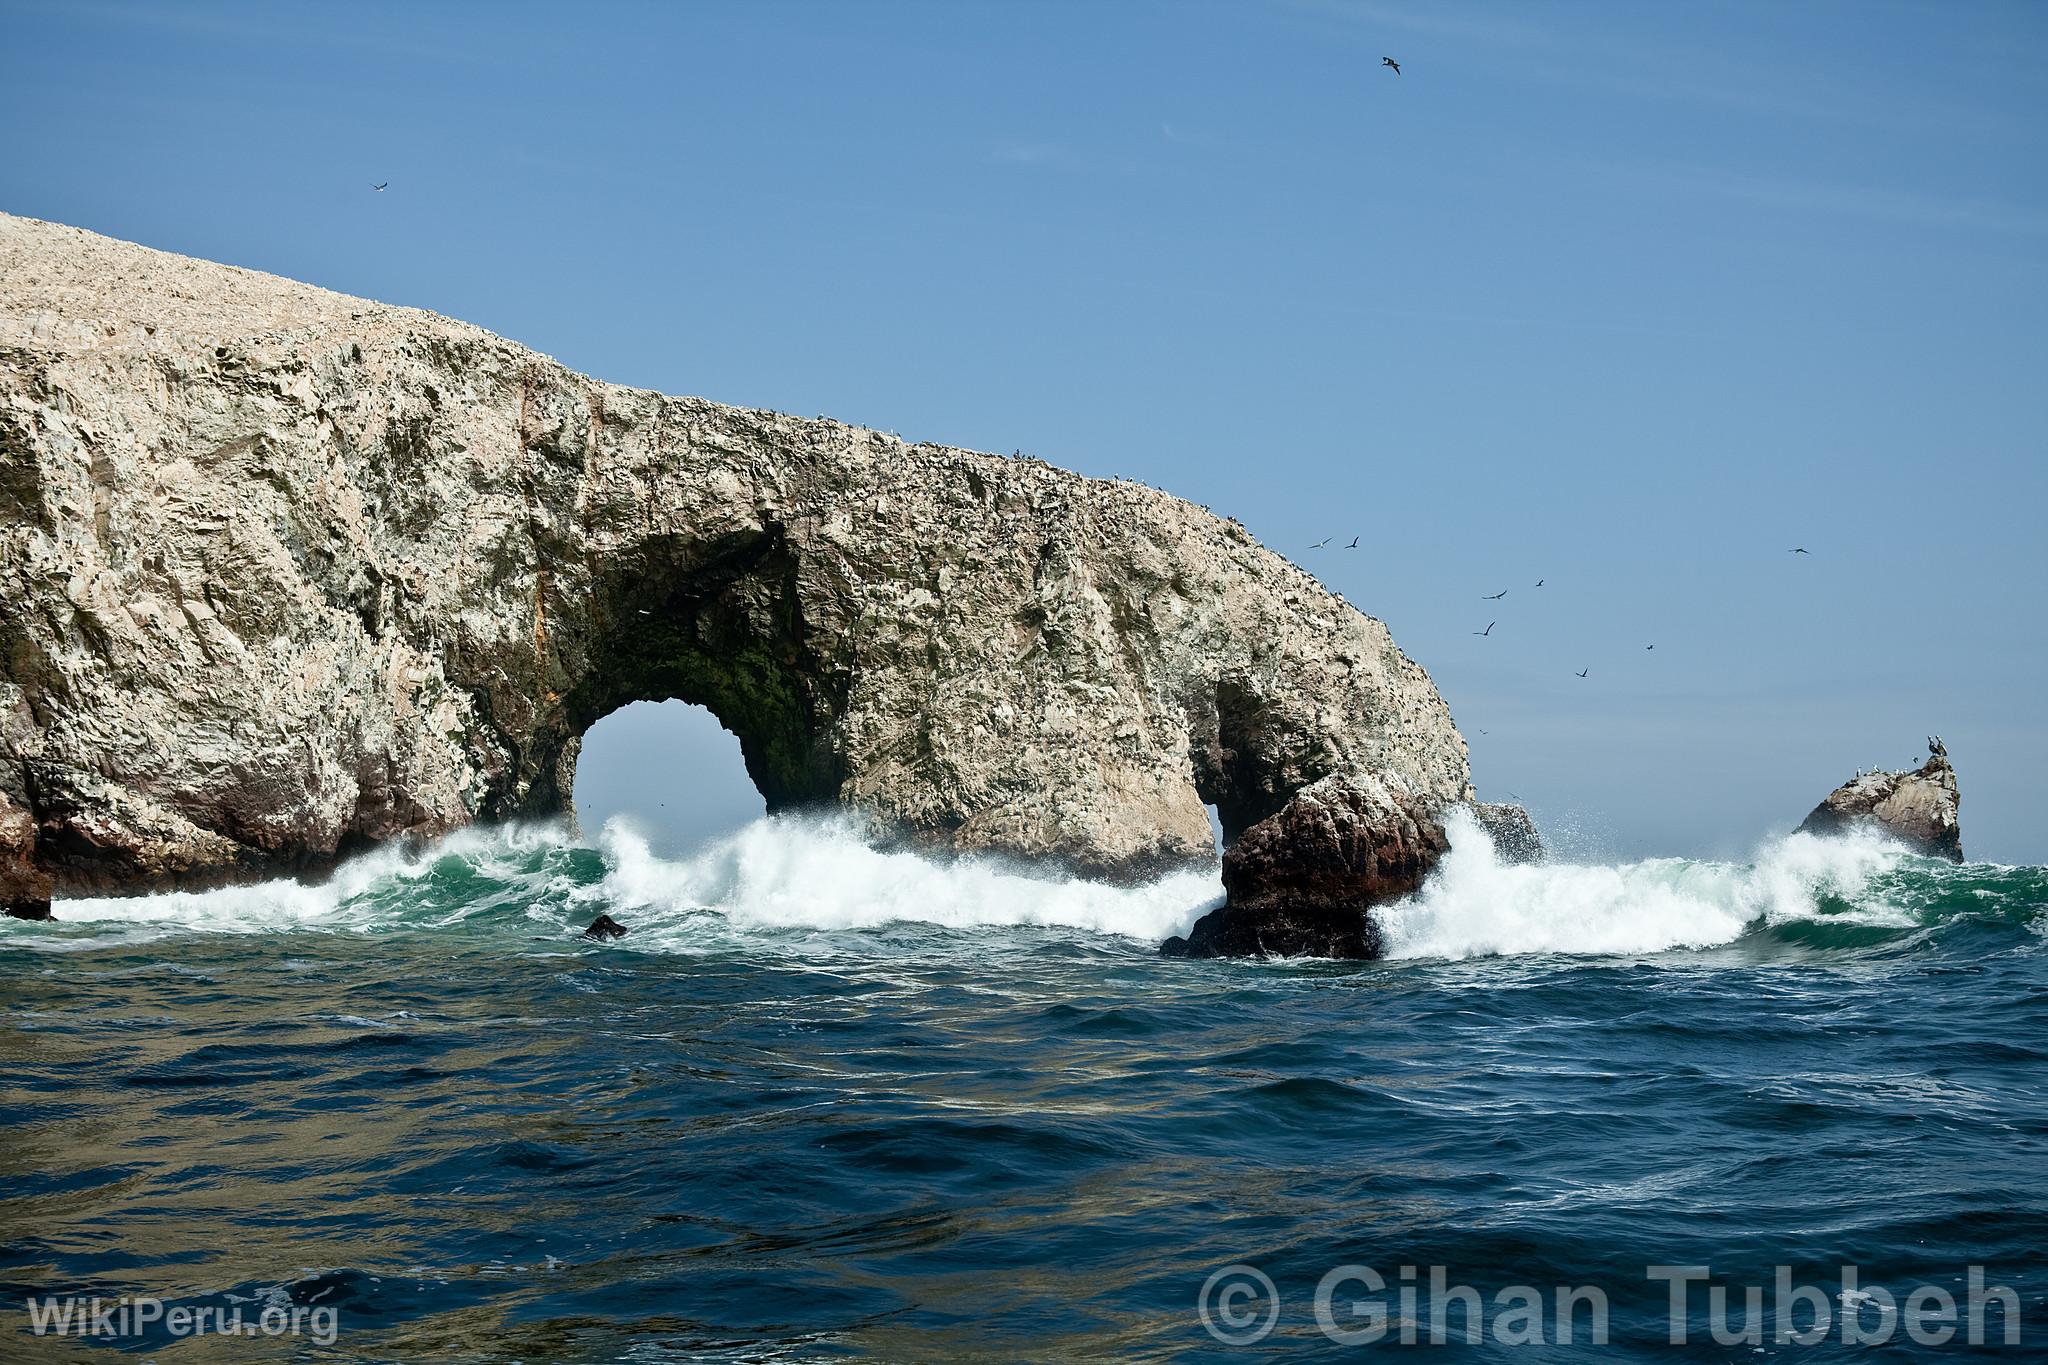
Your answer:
<point x="826" y="1102"/>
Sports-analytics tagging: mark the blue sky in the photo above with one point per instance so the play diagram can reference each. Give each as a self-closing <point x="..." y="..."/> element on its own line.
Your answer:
<point x="1631" y="298"/>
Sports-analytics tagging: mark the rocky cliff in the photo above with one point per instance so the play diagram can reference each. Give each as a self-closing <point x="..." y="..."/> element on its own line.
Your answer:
<point x="286" y="572"/>
<point x="1921" y="809"/>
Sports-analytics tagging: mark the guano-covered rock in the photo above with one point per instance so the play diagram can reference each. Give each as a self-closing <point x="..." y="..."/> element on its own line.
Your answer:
<point x="1920" y="809"/>
<point x="286" y="573"/>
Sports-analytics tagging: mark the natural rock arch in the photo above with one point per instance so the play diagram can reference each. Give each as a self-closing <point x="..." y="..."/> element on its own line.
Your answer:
<point x="716" y="635"/>
<point x="288" y="572"/>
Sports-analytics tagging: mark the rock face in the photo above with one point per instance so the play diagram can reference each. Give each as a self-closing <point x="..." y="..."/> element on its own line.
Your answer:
<point x="1919" y="808"/>
<point x="1512" y="831"/>
<point x="285" y="573"/>
<point x="24" y="887"/>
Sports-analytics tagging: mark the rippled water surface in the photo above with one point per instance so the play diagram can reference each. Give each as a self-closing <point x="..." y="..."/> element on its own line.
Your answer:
<point x="829" y="1102"/>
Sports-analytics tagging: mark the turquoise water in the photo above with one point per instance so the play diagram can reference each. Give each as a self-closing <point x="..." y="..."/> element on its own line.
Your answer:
<point x="827" y="1102"/>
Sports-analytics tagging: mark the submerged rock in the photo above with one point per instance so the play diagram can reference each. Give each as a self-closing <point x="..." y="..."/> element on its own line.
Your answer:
<point x="289" y="573"/>
<point x="604" y="928"/>
<point x="1918" y="808"/>
<point x="1299" y="883"/>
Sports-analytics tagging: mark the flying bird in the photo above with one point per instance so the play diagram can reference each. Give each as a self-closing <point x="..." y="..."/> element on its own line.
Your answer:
<point x="1800" y="551"/>
<point x="1649" y="646"/>
<point x="1496" y="596"/>
<point x="1489" y="628"/>
<point x="1584" y="671"/>
<point x="1539" y="582"/>
<point x="1353" y="545"/>
<point x="381" y="188"/>
<point x="1321" y="543"/>
<point x="1389" y="61"/>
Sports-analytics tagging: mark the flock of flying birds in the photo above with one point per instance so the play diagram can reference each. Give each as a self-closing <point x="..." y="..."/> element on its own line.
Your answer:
<point x="1496" y="596"/>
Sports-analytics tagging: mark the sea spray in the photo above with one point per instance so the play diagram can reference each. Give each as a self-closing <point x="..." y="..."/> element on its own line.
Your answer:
<point x="380" y="889"/>
<point x="817" y="872"/>
<point x="1474" y="905"/>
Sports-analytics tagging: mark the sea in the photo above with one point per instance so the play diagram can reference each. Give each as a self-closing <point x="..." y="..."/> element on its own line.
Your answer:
<point x="826" y="1101"/>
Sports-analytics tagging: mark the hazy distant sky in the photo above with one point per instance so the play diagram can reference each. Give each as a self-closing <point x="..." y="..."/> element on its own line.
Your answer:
<point x="1632" y="298"/>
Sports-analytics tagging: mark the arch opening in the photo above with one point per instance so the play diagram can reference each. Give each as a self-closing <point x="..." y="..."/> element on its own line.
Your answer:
<point x="694" y="628"/>
<point x="671" y="769"/>
<point x="1234" y="750"/>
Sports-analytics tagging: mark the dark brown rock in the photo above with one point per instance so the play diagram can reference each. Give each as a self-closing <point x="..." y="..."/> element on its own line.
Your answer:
<point x="604" y="929"/>
<point x="1300" y="882"/>
<point x="1279" y="931"/>
<point x="1919" y="809"/>
<point x="24" y="887"/>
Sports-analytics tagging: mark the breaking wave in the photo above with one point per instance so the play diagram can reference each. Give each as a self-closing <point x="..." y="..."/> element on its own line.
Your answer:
<point x="812" y="883"/>
<point x="1477" y="906"/>
<point x="817" y="873"/>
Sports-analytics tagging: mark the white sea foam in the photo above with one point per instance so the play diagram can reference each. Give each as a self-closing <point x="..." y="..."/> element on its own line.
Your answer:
<point x="818" y="873"/>
<point x="1476" y="906"/>
<point x="342" y="901"/>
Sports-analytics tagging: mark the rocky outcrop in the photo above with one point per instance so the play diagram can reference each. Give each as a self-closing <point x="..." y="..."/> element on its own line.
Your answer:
<point x="1919" y="808"/>
<point x="286" y="573"/>
<point x="604" y="929"/>
<point x="1303" y="882"/>
<point x="1298" y="883"/>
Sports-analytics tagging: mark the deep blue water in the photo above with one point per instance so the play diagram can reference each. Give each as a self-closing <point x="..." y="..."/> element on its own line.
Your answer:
<point x="867" y="1106"/>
